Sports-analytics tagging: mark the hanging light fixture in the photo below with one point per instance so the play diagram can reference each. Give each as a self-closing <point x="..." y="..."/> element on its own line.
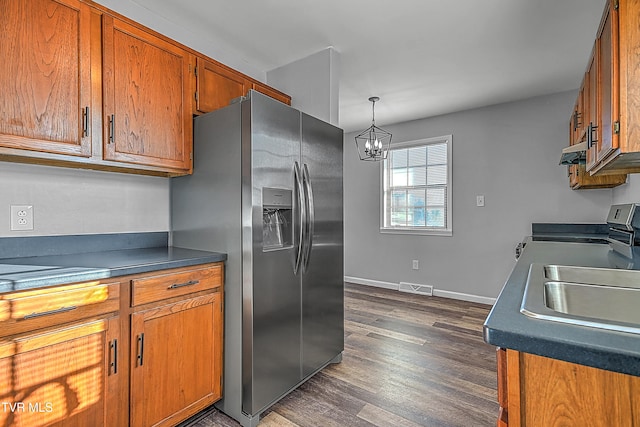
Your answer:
<point x="373" y="143"/>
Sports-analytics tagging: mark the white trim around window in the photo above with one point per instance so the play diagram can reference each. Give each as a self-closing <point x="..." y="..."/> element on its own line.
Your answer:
<point x="416" y="188"/>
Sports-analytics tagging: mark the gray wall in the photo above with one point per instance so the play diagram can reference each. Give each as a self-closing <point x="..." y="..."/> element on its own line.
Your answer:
<point x="315" y="82"/>
<point x="200" y="42"/>
<point x="628" y="193"/>
<point x="509" y="153"/>
<point x="71" y="201"/>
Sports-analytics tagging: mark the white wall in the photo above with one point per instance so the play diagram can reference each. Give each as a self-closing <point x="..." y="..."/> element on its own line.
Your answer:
<point x="72" y="201"/>
<point x="509" y="153"/>
<point x="313" y="83"/>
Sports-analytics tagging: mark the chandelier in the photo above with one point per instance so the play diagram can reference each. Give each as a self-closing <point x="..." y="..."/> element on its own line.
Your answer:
<point x="373" y="143"/>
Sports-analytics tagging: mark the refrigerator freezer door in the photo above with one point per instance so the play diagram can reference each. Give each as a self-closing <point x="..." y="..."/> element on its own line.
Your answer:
<point x="271" y="299"/>
<point x="323" y="277"/>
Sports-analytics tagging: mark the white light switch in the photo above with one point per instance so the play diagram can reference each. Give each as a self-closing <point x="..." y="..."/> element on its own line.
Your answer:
<point x="479" y="200"/>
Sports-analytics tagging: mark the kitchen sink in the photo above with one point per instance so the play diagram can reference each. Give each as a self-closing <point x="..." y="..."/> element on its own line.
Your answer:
<point x="596" y="297"/>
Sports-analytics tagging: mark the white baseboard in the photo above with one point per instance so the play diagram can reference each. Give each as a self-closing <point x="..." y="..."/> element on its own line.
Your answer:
<point x="436" y="292"/>
<point x="369" y="282"/>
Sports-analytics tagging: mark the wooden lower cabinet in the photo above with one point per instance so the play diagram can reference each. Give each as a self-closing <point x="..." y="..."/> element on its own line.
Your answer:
<point x="143" y="351"/>
<point x="544" y="392"/>
<point x="63" y="376"/>
<point x="176" y="360"/>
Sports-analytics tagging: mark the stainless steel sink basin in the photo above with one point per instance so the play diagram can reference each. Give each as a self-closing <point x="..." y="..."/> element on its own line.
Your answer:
<point x="596" y="297"/>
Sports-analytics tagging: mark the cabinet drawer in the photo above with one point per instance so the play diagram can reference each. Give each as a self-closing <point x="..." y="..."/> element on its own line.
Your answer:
<point x="39" y="308"/>
<point x="156" y="288"/>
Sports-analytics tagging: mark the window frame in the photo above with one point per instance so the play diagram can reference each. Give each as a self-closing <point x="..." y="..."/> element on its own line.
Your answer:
<point x="448" y="230"/>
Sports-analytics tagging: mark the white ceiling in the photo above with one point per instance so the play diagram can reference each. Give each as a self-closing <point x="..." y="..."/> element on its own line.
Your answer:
<point x="421" y="57"/>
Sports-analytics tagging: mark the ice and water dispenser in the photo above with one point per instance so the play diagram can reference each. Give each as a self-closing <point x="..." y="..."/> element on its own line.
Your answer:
<point x="277" y="214"/>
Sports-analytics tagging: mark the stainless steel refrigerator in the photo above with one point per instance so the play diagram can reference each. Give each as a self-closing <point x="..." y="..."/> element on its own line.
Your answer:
<point x="267" y="190"/>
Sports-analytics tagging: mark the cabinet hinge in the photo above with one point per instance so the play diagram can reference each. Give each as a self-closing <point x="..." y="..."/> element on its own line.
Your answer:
<point x="616" y="4"/>
<point x="616" y="127"/>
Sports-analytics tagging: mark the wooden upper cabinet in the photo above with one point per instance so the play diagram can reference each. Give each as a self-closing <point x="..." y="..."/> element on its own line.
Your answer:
<point x="616" y="88"/>
<point x="45" y="76"/>
<point x="608" y="92"/>
<point x="272" y="93"/>
<point x="146" y="110"/>
<point x="592" y="116"/>
<point x="216" y="86"/>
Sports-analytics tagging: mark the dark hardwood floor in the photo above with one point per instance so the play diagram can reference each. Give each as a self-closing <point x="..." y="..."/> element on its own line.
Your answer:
<point x="409" y="360"/>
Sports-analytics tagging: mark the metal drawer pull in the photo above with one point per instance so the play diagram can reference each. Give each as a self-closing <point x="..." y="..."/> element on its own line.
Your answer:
<point x="114" y="358"/>
<point x="46" y="313"/>
<point x="140" y="355"/>
<point x="180" y="285"/>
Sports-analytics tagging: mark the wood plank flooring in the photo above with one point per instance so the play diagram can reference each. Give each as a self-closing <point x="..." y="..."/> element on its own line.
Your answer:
<point x="409" y="361"/>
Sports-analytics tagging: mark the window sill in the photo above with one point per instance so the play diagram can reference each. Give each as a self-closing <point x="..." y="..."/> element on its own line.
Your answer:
<point x="416" y="232"/>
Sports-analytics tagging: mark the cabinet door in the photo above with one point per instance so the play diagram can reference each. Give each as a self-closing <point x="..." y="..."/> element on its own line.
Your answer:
<point x="67" y="376"/>
<point x="147" y="115"/>
<point x="46" y="82"/>
<point x="608" y="83"/>
<point x="176" y="353"/>
<point x="592" y="110"/>
<point x="501" y="365"/>
<point x="553" y="393"/>
<point x="216" y="86"/>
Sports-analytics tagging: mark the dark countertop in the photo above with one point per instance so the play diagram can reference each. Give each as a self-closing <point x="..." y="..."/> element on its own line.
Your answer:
<point x="508" y="328"/>
<point x="29" y="272"/>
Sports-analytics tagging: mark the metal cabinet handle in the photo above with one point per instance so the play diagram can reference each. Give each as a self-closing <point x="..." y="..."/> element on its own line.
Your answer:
<point x="180" y="285"/>
<point x="47" y="313"/>
<point x="576" y="120"/>
<point x="140" y="355"/>
<point x="85" y="121"/>
<point x="112" y="128"/>
<point x="590" y="139"/>
<point x="113" y="365"/>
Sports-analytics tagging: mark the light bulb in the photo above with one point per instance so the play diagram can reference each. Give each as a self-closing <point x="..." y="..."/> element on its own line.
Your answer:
<point x="367" y="145"/>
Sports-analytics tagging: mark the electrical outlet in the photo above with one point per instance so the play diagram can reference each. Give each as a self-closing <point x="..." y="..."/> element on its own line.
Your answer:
<point x="480" y="201"/>
<point x="416" y="264"/>
<point x="21" y="217"/>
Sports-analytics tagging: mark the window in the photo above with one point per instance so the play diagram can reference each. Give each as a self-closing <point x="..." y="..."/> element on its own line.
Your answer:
<point x="416" y="187"/>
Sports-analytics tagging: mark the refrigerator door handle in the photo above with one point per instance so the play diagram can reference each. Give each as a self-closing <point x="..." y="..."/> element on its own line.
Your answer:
<point x="310" y="214"/>
<point x="302" y="216"/>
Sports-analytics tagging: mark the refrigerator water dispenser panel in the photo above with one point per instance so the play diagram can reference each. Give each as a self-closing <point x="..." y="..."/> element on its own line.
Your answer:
<point x="277" y="224"/>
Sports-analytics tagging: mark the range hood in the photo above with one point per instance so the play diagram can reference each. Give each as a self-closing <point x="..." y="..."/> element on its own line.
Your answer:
<point x="574" y="154"/>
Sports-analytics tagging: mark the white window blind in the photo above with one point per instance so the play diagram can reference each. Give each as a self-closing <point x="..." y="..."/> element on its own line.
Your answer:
<point x="416" y="187"/>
